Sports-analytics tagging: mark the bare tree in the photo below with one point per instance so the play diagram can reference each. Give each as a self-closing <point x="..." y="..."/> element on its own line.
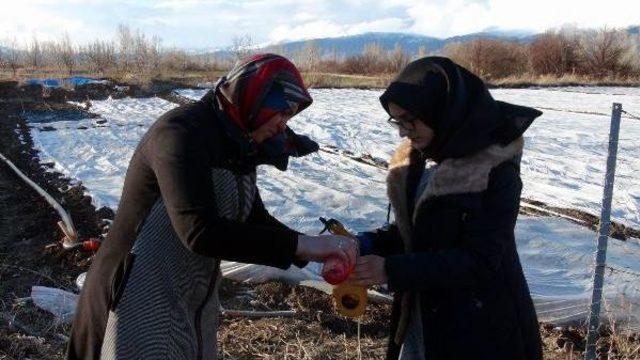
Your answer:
<point x="398" y="59"/>
<point x="373" y="60"/>
<point x="177" y="60"/>
<point x="459" y="53"/>
<point x="603" y="52"/>
<point x="330" y="63"/>
<point x="34" y="54"/>
<point x="66" y="54"/>
<point x="48" y="53"/>
<point x="3" y="55"/>
<point x="489" y="58"/>
<point x="310" y="59"/>
<point x="241" y="47"/>
<point x="13" y="56"/>
<point x="101" y="56"/>
<point x="554" y="53"/>
<point x="278" y="49"/>
<point x="632" y="57"/>
<point x="334" y="54"/>
<point x="154" y="54"/>
<point x="140" y="51"/>
<point x="125" y="43"/>
<point x="207" y="61"/>
<point x="422" y="52"/>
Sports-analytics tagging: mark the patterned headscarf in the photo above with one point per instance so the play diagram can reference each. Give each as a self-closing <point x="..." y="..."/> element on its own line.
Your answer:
<point x="255" y="90"/>
<point x="246" y="87"/>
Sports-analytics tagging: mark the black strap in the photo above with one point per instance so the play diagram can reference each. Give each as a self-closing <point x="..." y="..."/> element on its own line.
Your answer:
<point x="388" y="213"/>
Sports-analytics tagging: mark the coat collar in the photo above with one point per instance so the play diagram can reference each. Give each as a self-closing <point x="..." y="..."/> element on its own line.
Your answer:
<point x="465" y="175"/>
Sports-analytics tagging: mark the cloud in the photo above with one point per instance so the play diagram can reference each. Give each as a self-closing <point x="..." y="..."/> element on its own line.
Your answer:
<point x="305" y="31"/>
<point x="322" y="28"/>
<point x="455" y="17"/>
<point x="34" y="20"/>
<point x="213" y="23"/>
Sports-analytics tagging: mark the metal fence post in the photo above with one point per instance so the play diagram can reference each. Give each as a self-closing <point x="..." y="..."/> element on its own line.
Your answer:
<point x="605" y="222"/>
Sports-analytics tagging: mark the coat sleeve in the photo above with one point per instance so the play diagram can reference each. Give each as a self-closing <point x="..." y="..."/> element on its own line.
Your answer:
<point x="382" y="242"/>
<point x="181" y="167"/>
<point x="259" y="215"/>
<point x="487" y="232"/>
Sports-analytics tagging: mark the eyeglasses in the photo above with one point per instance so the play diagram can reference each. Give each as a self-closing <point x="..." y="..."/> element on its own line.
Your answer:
<point x="407" y="123"/>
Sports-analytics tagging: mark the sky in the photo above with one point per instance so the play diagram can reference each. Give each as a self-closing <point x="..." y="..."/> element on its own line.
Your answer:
<point x="200" y="24"/>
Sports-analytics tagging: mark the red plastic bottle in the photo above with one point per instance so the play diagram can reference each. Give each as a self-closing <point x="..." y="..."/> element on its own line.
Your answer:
<point x="335" y="270"/>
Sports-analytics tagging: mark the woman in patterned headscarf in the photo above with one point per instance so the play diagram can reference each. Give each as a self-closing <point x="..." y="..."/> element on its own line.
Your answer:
<point x="189" y="201"/>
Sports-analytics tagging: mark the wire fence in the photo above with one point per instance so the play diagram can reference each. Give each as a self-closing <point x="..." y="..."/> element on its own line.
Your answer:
<point x="627" y="279"/>
<point x="630" y="115"/>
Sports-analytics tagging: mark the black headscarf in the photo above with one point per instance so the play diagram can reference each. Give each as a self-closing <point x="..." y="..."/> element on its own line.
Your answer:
<point x="457" y="105"/>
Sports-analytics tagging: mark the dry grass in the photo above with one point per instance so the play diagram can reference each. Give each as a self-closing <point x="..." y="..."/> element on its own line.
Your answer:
<point x="332" y="80"/>
<point x="323" y="79"/>
<point x="316" y="332"/>
<point x="189" y="78"/>
<point x="527" y="80"/>
<point x="193" y="78"/>
<point x="42" y="338"/>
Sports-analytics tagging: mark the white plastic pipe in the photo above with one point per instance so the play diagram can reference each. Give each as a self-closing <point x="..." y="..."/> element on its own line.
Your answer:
<point x="66" y="225"/>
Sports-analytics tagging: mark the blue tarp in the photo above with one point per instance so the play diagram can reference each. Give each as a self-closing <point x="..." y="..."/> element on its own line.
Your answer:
<point x="70" y="81"/>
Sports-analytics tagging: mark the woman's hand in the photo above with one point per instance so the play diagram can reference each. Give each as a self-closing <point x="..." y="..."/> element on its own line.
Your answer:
<point x="320" y="248"/>
<point x="369" y="271"/>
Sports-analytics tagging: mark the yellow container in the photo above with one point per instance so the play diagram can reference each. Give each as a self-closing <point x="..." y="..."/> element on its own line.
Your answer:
<point x="350" y="300"/>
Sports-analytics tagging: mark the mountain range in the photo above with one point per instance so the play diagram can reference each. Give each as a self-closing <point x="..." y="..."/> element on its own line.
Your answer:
<point x="411" y="43"/>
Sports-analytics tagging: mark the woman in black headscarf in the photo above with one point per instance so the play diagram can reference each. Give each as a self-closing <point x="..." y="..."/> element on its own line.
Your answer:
<point x="454" y="185"/>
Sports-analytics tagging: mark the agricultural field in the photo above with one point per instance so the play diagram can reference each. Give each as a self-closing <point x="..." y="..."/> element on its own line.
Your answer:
<point x="83" y="144"/>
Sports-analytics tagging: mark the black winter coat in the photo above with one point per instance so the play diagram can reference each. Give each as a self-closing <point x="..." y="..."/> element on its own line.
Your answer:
<point x="456" y="248"/>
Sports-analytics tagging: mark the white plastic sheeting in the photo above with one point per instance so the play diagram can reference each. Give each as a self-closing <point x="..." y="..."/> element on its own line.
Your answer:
<point x="62" y="304"/>
<point x="563" y="165"/>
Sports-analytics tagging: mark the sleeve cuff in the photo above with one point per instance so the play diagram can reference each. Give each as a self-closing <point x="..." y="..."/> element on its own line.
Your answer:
<point x="365" y="243"/>
<point x="288" y="243"/>
<point x="401" y="272"/>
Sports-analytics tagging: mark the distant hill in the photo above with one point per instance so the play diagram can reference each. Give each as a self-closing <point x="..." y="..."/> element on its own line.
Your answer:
<point x="354" y="44"/>
<point x="521" y="37"/>
<point x="411" y="43"/>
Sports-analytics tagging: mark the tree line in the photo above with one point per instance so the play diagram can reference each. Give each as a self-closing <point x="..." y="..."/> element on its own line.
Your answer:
<point x="596" y="54"/>
<point x="129" y="53"/>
